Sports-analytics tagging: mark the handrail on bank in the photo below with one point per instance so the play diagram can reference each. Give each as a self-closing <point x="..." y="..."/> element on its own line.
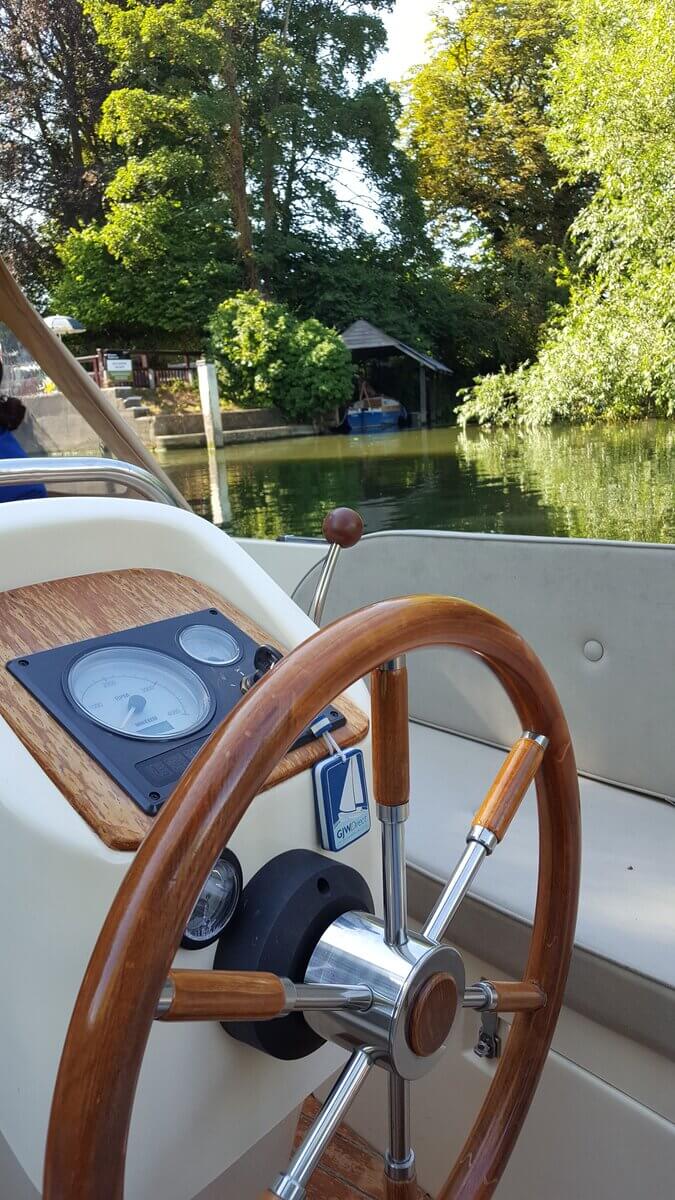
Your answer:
<point x="80" y="470"/>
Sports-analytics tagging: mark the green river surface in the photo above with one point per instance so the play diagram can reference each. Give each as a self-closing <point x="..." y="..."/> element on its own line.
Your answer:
<point x="604" y="482"/>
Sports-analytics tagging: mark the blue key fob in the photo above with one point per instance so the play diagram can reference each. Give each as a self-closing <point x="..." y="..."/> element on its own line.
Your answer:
<point x="341" y="797"/>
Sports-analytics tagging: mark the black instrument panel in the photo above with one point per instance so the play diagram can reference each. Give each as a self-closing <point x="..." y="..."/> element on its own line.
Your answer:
<point x="143" y="701"/>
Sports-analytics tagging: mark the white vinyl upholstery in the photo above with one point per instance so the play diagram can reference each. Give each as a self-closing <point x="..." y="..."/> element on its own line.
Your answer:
<point x="561" y="595"/>
<point x="627" y="896"/>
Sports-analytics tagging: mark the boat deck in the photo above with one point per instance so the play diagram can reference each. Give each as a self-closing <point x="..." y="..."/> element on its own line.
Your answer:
<point x="349" y="1170"/>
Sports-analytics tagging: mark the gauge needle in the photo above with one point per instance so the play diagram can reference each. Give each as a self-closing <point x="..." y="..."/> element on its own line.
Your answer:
<point x="136" y="705"/>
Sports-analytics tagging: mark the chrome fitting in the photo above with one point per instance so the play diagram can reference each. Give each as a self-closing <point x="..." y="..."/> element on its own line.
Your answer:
<point x="393" y="664"/>
<point x="166" y="998"/>
<point x="286" y="1188"/>
<point x="483" y="837"/>
<point x="481" y="996"/>
<point x="305" y="997"/>
<point x="539" y="738"/>
<point x="393" y="814"/>
<point x="400" y="1171"/>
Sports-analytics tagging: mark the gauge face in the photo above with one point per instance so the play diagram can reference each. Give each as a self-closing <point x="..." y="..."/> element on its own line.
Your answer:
<point x="217" y="903"/>
<point x="208" y="644"/>
<point x="139" y="693"/>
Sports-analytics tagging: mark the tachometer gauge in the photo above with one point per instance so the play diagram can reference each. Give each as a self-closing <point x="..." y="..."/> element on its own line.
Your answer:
<point x="139" y="693"/>
<point x="209" y="644"/>
<point x="216" y="905"/>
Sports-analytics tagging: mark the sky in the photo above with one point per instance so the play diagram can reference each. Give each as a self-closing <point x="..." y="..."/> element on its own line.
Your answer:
<point x="407" y="27"/>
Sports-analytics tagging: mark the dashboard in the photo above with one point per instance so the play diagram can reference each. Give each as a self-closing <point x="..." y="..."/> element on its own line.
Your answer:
<point x="144" y="701"/>
<point x="115" y="680"/>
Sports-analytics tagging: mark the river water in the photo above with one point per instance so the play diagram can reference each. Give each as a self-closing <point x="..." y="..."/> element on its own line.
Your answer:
<point x="605" y="482"/>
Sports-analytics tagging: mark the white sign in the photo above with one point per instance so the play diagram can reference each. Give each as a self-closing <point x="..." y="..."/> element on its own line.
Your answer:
<point x="119" y="366"/>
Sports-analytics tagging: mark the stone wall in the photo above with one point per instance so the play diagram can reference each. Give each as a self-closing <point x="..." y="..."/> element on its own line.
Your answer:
<point x="53" y="426"/>
<point x="245" y="418"/>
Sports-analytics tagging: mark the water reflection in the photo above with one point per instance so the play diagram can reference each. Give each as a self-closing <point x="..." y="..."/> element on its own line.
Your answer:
<point x="606" y="483"/>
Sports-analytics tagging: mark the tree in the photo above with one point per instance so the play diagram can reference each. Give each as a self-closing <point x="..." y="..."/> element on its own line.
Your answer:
<point x="238" y="123"/>
<point x="611" y="354"/>
<point x="53" y="80"/>
<point x="478" y="120"/>
<point x="268" y="357"/>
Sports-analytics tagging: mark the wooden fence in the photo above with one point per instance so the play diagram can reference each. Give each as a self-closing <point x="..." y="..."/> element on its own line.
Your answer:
<point x="148" y="370"/>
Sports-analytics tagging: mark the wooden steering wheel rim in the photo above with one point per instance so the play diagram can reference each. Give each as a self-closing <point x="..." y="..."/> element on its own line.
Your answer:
<point x="115" y="1007"/>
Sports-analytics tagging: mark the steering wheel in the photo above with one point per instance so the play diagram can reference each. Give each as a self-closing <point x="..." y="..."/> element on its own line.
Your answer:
<point x="129" y="982"/>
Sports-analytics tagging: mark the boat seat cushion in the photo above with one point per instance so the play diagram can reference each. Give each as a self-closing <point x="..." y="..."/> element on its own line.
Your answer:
<point x="628" y="881"/>
<point x="600" y="615"/>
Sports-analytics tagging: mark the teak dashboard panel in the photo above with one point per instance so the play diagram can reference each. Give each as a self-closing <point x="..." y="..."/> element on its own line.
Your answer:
<point x="45" y="615"/>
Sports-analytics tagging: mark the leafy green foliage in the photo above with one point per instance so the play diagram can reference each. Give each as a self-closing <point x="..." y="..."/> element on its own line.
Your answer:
<point x="54" y="78"/>
<point x="153" y="266"/>
<point x="478" y="121"/>
<point x="611" y="354"/>
<point x="268" y="357"/>
<point x="237" y="123"/>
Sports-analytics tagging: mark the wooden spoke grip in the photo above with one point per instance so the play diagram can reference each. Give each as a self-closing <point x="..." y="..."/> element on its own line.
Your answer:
<point x="391" y="756"/>
<point x="224" y="996"/>
<point x="517" y="997"/>
<point x="511" y="783"/>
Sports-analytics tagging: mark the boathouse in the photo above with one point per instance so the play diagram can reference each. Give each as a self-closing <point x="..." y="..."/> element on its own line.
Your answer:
<point x="386" y="360"/>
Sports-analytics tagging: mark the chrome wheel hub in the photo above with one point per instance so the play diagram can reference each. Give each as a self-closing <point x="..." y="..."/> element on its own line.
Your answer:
<point x="406" y="1026"/>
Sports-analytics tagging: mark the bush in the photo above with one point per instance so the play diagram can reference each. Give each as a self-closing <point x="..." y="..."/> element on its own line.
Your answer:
<point x="610" y="357"/>
<point x="267" y="356"/>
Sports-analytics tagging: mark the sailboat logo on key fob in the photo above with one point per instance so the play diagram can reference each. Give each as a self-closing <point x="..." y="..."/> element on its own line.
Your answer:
<point x="341" y="797"/>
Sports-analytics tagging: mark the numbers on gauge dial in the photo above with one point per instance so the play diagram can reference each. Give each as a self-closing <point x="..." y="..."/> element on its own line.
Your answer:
<point x="139" y="693"/>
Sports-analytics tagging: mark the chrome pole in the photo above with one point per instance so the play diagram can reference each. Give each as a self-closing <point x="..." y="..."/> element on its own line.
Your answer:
<point x="393" y="873"/>
<point x="325" y="579"/>
<point x="292" y="1184"/>
<point x="305" y="997"/>
<point x="79" y="470"/>
<point x="480" y="843"/>
<point x="399" y="1161"/>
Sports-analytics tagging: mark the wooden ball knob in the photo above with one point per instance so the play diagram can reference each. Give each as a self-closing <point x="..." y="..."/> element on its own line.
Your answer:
<point x="343" y="527"/>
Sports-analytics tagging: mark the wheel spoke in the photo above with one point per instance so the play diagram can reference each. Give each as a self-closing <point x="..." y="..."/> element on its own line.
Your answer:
<point x="504" y="996"/>
<point x="489" y="827"/>
<point x="459" y="883"/>
<point x="399" y="1161"/>
<point x="394" y="882"/>
<point x="292" y="1184"/>
<point x="391" y="775"/>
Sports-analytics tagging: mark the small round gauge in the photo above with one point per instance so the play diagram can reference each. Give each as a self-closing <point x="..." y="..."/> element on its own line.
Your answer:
<point x="139" y="693"/>
<point x="216" y="905"/>
<point x="208" y="644"/>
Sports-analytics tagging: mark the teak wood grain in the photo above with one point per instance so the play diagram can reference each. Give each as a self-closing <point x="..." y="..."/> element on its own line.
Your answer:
<point x="391" y="736"/>
<point x="51" y="614"/>
<point x="510" y="785"/>
<point x="350" y="1169"/>
<point x="517" y="997"/>
<point x="115" y="1008"/>
<point x="399" y="1189"/>
<point x="432" y="1014"/>
<point x="225" y="996"/>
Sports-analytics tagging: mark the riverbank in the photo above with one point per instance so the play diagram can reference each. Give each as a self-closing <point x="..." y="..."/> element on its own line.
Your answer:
<point x="53" y="426"/>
